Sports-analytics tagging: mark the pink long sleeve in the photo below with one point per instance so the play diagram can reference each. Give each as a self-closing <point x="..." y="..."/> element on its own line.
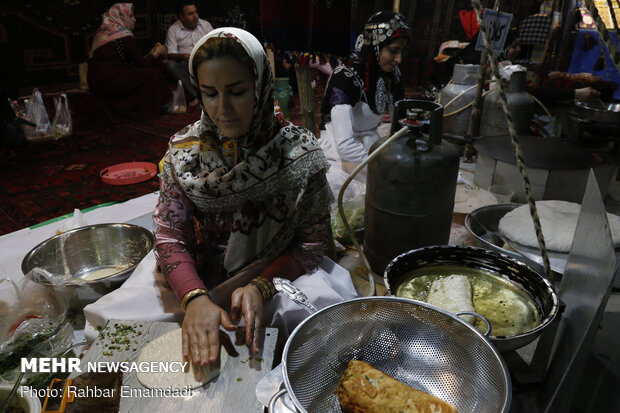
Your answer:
<point x="173" y="219"/>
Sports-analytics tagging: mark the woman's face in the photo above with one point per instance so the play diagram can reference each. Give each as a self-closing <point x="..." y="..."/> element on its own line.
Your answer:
<point x="391" y="55"/>
<point x="227" y="93"/>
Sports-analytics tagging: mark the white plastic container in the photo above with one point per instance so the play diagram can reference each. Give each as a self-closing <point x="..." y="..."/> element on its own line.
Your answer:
<point x="24" y="399"/>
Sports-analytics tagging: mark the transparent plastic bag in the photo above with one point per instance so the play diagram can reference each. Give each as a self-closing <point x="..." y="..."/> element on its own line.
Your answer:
<point x="179" y="104"/>
<point x="36" y="114"/>
<point x="35" y="338"/>
<point x="19" y="108"/>
<point x="352" y="204"/>
<point x="10" y="297"/>
<point x="62" y="124"/>
<point x="40" y="316"/>
<point x="45" y="298"/>
<point x="76" y="221"/>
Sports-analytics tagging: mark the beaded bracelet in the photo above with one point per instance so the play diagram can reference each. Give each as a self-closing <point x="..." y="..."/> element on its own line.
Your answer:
<point x="190" y="295"/>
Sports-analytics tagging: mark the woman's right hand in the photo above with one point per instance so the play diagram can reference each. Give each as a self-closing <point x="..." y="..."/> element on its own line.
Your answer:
<point x="201" y="329"/>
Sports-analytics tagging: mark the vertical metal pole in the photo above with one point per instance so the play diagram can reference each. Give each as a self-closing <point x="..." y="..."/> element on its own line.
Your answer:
<point x="566" y="26"/>
<point x="433" y="43"/>
<point x="474" y="120"/>
<point x="541" y="71"/>
<point x="476" y="110"/>
<point x="306" y="97"/>
<point x="272" y="62"/>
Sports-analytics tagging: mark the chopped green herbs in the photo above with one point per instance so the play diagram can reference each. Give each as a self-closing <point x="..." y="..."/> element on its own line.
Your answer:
<point x="119" y="336"/>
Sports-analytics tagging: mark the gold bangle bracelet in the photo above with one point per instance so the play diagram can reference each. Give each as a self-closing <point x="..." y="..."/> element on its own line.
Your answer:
<point x="190" y="295"/>
<point x="261" y="288"/>
<point x="272" y="288"/>
<point x="269" y="284"/>
<point x="265" y="286"/>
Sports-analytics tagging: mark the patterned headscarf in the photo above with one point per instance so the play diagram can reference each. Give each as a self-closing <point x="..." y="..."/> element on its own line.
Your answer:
<point x="257" y="194"/>
<point x="118" y="22"/>
<point x="384" y="27"/>
<point x="263" y="122"/>
<point x="365" y="80"/>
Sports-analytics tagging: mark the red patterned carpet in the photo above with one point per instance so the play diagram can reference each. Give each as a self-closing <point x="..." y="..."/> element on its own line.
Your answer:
<point x="44" y="180"/>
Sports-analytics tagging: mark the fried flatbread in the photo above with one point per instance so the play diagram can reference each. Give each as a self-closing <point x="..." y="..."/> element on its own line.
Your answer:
<point x="109" y="402"/>
<point x="364" y="389"/>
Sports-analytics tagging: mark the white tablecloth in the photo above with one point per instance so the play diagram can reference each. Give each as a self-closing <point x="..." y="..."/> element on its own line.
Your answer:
<point x="14" y="246"/>
<point x="147" y="296"/>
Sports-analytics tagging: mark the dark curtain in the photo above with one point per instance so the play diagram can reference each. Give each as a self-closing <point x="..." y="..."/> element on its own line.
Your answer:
<point x="307" y="25"/>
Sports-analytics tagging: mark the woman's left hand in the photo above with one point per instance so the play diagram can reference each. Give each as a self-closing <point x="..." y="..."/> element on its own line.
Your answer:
<point x="248" y="301"/>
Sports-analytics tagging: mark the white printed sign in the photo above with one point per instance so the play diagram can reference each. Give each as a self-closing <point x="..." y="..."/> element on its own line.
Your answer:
<point x="498" y="24"/>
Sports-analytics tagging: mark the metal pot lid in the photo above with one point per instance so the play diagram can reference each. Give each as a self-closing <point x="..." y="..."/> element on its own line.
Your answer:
<point x="537" y="152"/>
<point x="598" y="111"/>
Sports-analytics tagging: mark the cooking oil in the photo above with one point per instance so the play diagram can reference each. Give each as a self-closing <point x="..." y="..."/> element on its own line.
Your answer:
<point x="510" y="309"/>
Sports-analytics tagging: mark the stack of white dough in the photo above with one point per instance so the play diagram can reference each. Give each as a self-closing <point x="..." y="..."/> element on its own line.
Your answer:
<point x="452" y="293"/>
<point x="558" y="220"/>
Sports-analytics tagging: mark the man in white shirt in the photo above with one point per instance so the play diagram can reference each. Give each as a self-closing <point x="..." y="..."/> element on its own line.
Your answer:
<point x="180" y="40"/>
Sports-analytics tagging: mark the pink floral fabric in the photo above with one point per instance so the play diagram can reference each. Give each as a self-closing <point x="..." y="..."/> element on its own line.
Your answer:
<point x="118" y="22"/>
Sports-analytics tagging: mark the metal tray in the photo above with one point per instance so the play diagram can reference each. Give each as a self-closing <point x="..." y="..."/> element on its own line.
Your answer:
<point x="483" y="224"/>
<point x="598" y="112"/>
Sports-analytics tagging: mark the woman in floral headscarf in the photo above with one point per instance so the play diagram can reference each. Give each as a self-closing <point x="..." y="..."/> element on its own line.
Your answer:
<point x="243" y="196"/>
<point x="357" y="97"/>
<point x="128" y="84"/>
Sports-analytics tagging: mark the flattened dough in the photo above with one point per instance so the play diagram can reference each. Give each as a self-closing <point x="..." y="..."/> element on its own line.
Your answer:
<point x="558" y="220"/>
<point x="168" y="348"/>
<point x="452" y="293"/>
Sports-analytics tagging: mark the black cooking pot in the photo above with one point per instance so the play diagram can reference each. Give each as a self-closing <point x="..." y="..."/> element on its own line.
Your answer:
<point x="537" y="286"/>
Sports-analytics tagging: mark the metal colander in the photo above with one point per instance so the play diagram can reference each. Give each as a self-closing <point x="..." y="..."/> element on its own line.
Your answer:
<point x="419" y="344"/>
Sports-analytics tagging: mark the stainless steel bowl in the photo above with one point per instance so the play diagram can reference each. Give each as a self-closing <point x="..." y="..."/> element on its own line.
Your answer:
<point x="483" y="223"/>
<point x="89" y="261"/>
<point x="597" y="112"/>
<point x="536" y="285"/>
<point x="421" y="345"/>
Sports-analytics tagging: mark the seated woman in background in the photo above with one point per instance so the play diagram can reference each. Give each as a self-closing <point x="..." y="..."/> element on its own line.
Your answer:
<point x="357" y="97"/>
<point x="243" y="197"/>
<point x="129" y="85"/>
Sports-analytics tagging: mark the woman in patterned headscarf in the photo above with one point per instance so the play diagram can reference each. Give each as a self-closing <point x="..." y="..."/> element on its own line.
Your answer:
<point x="129" y="84"/>
<point x="243" y="195"/>
<point x="357" y="97"/>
